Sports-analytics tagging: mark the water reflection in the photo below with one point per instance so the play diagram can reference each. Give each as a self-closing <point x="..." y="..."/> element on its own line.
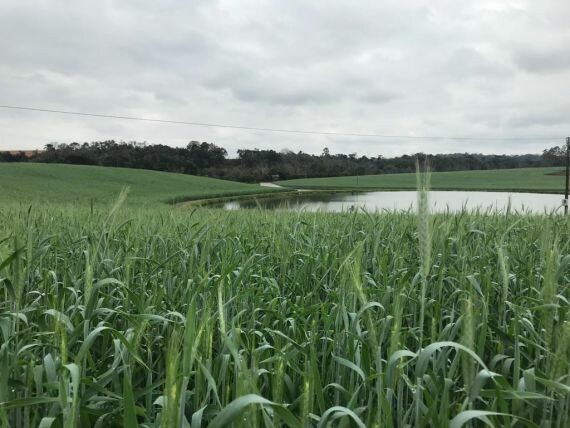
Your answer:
<point x="441" y="201"/>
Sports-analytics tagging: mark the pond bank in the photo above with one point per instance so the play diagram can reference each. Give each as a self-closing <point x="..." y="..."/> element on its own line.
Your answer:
<point x="278" y="195"/>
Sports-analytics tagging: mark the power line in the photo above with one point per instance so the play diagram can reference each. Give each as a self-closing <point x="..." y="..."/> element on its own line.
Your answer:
<point x="289" y="131"/>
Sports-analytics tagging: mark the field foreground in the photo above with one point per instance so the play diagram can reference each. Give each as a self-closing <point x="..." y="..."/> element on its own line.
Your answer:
<point x="212" y="318"/>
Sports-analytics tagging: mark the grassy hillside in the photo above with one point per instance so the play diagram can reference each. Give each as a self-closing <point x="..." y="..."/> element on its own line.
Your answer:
<point x="34" y="182"/>
<point x="522" y="179"/>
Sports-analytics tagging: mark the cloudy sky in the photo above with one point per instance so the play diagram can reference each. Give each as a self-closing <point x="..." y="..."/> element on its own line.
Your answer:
<point x="476" y="68"/>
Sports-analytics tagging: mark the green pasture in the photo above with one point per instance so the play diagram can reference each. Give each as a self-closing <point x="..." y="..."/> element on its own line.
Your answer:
<point x="78" y="184"/>
<point x="516" y="180"/>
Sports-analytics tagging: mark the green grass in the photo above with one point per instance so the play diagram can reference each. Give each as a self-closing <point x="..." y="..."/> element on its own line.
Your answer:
<point x="175" y="318"/>
<point x="521" y="180"/>
<point x="55" y="183"/>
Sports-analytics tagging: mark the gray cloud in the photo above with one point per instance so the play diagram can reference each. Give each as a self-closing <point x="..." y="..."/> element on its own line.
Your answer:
<point x="545" y="59"/>
<point x="479" y="68"/>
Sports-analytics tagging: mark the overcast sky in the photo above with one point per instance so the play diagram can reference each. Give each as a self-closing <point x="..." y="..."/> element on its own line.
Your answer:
<point x="480" y="68"/>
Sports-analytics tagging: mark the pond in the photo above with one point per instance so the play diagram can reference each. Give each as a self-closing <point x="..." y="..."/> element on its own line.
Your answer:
<point x="440" y="201"/>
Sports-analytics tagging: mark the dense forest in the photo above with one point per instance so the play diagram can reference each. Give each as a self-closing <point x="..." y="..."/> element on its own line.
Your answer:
<point x="201" y="158"/>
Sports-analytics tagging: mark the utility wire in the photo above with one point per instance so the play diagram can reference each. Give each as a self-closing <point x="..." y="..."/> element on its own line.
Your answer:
<point x="289" y="131"/>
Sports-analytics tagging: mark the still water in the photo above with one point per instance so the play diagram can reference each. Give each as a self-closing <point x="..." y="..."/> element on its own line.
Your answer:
<point x="406" y="200"/>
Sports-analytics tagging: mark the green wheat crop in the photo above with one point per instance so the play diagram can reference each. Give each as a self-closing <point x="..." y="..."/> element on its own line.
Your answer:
<point x="161" y="317"/>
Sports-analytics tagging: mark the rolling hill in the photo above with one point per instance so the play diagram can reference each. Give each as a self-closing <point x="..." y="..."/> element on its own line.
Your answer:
<point x="545" y="180"/>
<point x="58" y="183"/>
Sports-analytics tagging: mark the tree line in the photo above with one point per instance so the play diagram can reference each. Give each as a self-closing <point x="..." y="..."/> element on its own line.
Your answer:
<point x="207" y="159"/>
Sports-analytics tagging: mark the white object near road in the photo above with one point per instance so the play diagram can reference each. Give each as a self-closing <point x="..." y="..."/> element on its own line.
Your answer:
<point x="277" y="186"/>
